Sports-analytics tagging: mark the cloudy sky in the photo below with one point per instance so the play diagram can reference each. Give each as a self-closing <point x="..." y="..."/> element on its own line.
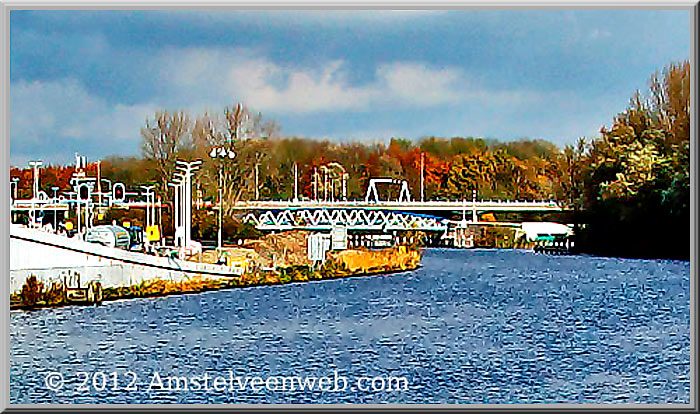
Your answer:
<point x="86" y="81"/>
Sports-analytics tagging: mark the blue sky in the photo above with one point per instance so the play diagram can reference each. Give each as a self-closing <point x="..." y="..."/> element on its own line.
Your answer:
<point x="86" y="81"/>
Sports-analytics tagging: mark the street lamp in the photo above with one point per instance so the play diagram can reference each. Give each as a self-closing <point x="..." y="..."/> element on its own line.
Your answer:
<point x="35" y="165"/>
<point x="221" y="153"/>
<point x="187" y="168"/>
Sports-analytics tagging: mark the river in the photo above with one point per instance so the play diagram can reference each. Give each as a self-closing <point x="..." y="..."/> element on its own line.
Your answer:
<point x="469" y="326"/>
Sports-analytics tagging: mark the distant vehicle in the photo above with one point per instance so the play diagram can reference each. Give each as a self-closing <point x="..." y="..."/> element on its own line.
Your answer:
<point x="110" y="236"/>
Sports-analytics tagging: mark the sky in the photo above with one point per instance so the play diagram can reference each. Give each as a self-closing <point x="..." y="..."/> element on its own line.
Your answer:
<point x="87" y="81"/>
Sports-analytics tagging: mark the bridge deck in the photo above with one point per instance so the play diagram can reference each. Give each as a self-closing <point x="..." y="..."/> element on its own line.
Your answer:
<point x="403" y="206"/>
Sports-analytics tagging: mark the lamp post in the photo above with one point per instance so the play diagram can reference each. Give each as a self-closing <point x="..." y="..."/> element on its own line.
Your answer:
<point x="55" y="211"/>
<point x="187" y="168"/>
<point x="35" y="165"/>
<point x="221" y="153"/>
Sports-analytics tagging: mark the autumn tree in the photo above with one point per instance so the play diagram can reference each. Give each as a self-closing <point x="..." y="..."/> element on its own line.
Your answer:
<point x="638" y="172"/>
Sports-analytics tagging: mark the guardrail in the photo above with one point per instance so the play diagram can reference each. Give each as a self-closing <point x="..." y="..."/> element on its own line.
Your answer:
<point x="395" y="205"/>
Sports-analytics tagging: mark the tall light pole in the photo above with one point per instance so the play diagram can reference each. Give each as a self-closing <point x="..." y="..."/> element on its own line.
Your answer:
<point x="188" y="168"/>
<point x="35" y="165"/>
<point x="221" y="153"/>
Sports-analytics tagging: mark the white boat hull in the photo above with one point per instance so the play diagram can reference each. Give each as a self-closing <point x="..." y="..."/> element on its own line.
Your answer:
<point x="53" y="258"/>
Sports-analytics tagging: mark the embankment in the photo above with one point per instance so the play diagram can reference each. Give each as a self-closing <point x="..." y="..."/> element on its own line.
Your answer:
<point x="290" y="268"/>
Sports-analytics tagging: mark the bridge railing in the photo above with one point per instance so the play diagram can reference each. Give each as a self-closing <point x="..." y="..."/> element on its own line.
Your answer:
<point x="362" y="203"/>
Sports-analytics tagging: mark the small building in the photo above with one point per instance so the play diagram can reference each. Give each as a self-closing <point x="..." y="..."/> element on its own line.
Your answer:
<point x="539" y="230"/>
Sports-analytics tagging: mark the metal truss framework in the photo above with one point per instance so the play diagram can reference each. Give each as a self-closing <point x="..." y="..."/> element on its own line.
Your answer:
<point x="353" y="219"/>
<point x="410" y="206"/>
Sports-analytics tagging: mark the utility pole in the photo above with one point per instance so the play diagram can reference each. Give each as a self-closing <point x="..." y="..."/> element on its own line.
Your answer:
<point x="315" y="184"/>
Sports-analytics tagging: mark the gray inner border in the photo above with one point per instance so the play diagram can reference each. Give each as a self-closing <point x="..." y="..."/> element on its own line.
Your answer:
<point x="6" y="7"/>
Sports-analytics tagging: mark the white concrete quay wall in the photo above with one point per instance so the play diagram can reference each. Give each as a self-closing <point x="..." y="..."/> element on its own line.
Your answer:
<point x="53" y="257"/>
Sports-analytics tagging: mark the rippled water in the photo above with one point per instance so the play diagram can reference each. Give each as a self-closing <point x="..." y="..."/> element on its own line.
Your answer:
<point x="470" y="326"/>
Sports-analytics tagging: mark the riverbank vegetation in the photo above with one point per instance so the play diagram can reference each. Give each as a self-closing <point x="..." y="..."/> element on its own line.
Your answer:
<point x="628" y="188"/>
<point x="362" y="262"/>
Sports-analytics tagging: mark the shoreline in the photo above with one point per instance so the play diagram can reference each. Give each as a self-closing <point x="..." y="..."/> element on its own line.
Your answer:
<point x="395" y="260"/>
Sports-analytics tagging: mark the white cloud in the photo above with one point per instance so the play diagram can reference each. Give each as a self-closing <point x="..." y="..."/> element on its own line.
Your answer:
<point x="208" y="79"/>
<point x="203" y="77"/>
<point x="416" y="84"/>
<point x="271" y="87"/>
<point x="42" y="114"/>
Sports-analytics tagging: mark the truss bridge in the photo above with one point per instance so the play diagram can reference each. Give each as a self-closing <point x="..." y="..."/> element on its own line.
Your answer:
<point x="355" y="220"/>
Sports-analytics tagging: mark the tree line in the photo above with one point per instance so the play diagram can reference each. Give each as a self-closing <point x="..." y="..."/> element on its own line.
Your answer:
<point x="628" y="188"/>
